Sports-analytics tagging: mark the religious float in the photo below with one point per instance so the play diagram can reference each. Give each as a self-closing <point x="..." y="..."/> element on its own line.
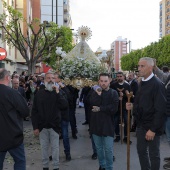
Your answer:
<point x="81" y="67"/>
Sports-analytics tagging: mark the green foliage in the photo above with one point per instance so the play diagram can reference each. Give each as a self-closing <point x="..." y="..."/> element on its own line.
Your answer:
<point x="159" y="50"/>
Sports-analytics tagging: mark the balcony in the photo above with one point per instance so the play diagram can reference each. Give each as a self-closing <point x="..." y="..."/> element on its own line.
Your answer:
<point x="66" y="7"/>
<point x="66" y="17"/>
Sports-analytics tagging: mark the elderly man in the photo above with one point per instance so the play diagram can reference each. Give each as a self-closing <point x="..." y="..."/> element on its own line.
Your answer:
<point x="149" y="110"/>
<point x="13" y="108"/>
<point x="15" y="85"/>
<point x="46" y="119"/>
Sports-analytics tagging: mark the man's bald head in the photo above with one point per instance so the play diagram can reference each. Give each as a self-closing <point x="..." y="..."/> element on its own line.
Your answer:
<point x="15" y="83"/>
<point x="3" y="73"/>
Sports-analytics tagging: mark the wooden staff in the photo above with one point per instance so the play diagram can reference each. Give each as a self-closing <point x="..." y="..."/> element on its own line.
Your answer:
<point x="129" y="95"/>
<point x="121" y="121"/>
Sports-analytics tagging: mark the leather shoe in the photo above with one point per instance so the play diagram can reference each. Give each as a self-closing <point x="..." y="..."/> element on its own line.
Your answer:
<point x="74" y="136"/>
<point x="125" y="141"/>
<point x="94" y="156"/>
<point x="133" y="130"/>
<point x="117" y="139"/>
<point x="68" y="157"/>
<point x="100" y="168"/>
<point x="85" y="123"/>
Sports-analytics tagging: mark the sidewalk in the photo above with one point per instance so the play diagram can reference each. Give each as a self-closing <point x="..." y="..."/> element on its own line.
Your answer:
<point x="81" y="151"/>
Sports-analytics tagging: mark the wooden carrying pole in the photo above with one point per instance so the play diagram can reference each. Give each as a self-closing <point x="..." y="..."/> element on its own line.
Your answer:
<point x="121" y="121"/>
<point x="129" y="95"/>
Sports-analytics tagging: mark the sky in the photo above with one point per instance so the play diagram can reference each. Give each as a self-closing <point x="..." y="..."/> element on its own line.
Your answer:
<point x="136" y="20"/>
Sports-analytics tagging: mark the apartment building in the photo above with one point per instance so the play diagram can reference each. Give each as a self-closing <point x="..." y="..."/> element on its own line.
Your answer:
<point x="46" y="10"/>
<point x="57" y="11"/>
<point x="164" y="18"/>
<point x="119" y="48"/>
<point x="14" y="61"/>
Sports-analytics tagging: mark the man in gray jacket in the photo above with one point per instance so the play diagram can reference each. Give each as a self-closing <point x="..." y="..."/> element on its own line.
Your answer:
<point x="161" y="74"/>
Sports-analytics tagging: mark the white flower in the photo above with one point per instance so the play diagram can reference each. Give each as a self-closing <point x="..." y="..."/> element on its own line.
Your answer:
<point x="73" y="67"/>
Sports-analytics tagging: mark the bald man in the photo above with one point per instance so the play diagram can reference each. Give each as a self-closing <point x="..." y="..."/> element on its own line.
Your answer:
<point x="15" y="85"/>
<point x="13" y="108"/>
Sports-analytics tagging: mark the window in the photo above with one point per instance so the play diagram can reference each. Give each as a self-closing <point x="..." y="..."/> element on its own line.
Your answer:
<point x="2" y="65"/>
<point x="45" y="2"/>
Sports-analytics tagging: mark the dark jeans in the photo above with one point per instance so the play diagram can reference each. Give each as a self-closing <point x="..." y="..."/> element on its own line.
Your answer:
<point x="73" y="120"/>
<point x="93" y="144"/>
<point x="117" y="121"/>
<point x="148" y="151"/>
<point x="18" y="155"/>
<point x="66" y="142"/>
<point x="104" y="147"/>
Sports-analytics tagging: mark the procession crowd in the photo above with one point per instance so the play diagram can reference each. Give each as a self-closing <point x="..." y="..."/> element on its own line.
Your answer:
<point x="51" y="107"/>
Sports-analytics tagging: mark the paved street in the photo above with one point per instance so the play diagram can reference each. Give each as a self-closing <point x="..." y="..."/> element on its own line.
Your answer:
<point x="81" y="151"/>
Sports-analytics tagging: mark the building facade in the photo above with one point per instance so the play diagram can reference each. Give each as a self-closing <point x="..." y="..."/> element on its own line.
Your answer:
<point x="119" y="47"/>
<point x="46" y="10"/>
<point x="164" y="18"/>
<point x="57" y="11"/>
<point x="14" y="61"/>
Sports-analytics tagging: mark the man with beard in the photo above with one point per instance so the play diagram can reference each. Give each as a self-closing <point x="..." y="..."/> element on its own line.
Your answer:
<point x="13" y="108"/>
<point x="121" y="87"/>
<point x="46" y="119"/>
<point x="149" y="110"/>
<point x="104" y="105"/>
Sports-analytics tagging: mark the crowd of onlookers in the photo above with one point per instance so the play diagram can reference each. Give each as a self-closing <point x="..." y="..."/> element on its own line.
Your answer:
<point x="52" y="107"/>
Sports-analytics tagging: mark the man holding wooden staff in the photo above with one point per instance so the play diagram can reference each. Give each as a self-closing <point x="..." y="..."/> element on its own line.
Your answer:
<point x="149" y="110"/>
<point x="121" y="87"/>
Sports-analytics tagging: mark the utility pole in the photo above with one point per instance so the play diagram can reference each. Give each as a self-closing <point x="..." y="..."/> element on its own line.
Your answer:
<point x="129" y="42"/>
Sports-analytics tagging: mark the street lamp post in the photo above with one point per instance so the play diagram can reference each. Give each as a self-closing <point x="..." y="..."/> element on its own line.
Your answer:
<point x="129" y="42"/>
<point x="59" y="55"/>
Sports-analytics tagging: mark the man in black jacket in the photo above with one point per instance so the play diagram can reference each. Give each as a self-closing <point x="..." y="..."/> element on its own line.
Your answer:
<point x="121" y="86"/>
<point x="149" y="110"/>
<point x="83" y="98"/>
<point x="104" y="105"/>
<point x="46" y="119"/>
<point x="64" y="116"/>
<point x="72" y="110"/>
<point x="13" y="108"/>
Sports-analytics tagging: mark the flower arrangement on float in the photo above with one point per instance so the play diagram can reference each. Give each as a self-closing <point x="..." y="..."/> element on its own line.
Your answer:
<point x="77" y="67"/>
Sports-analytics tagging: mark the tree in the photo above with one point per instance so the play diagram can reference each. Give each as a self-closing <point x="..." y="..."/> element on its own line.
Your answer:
<point x="38" y="41"/>
<point x="159" y="50"/>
